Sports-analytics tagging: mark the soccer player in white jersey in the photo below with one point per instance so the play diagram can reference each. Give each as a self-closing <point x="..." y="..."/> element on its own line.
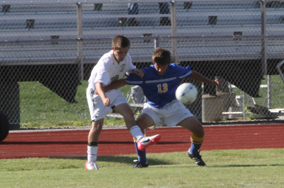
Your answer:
<point x="111" y="67"/>
<point x="159" y="84"/>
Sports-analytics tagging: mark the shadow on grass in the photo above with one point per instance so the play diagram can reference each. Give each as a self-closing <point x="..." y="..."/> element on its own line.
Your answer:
<point x="129" y="159"/>
<point x="245" y="165"/>
<point x="122" y="159"/>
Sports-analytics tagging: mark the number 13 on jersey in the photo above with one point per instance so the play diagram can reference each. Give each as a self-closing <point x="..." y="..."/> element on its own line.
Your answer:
<point x="162" y="88"/>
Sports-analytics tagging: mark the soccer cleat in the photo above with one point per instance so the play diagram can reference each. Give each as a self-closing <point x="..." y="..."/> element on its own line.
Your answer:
<point x="140" y="165"/>
<point x="91" y="166"/>
<point x="198" y="160"/>
<point x="143" y="143"/>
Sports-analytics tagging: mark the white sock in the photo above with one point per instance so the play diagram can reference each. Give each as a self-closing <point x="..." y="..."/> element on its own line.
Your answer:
<point x="136" y="132"/>
<point x="92" y="153"/>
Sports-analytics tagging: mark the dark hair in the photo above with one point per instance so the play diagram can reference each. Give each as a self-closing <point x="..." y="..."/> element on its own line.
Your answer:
<point x="120" y="41"/>
<point x="161" y="56"/>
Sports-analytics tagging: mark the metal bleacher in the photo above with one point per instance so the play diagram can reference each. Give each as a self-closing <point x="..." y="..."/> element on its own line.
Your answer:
<point x="60" y="22"/>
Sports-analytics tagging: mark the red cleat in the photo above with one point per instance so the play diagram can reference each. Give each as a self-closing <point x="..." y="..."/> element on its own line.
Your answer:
<point x="143" y="143"/>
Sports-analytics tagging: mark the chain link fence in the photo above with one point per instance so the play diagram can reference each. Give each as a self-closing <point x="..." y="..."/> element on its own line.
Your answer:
<point x="48" y="49"/>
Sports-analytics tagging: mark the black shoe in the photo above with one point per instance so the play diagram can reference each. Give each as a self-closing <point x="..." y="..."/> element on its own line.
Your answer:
<point x="198" y="160"/>
<point x="140" y="165"/>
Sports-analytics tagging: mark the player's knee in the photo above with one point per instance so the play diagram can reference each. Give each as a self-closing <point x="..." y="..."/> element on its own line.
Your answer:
<point x="128" y="113"/>
<point x="140" y="122"/>
<point x="201" y="132"/>
<point x="198" y="131"/>
<point x="128" y="117"/>
<point x="96" y="127"/>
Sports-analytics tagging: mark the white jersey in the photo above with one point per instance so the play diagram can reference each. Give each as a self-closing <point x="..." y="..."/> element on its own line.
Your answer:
<point x="107" y="70"/>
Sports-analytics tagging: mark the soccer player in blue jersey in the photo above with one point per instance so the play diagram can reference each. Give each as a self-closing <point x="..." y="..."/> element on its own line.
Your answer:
<point x="159" y="84"/>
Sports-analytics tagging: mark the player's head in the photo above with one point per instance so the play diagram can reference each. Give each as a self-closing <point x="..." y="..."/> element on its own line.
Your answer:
<point x="120" y="47"/>
<point x="161" y="60"/>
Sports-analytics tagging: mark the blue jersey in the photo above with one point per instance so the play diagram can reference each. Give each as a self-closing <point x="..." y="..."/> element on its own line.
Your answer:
<point x="160" y="90"/>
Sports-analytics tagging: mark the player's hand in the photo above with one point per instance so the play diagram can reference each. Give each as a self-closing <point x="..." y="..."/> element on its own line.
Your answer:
<point x="138" y="72"/>
<point x="106" y="101"/>
<point x="217" y="83"/>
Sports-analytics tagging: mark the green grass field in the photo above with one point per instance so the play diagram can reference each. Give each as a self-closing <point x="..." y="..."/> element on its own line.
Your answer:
<point x="225" y="168"/>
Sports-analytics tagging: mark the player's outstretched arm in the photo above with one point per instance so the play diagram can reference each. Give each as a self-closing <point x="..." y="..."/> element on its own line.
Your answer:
<point x="199" y="77"/>
<point x="122" y="82"/>
<point x="115" y="85"/>
<point x="137" y="72"/>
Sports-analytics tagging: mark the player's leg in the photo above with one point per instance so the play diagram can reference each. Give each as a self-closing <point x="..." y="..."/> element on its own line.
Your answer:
<point x="128" y="116"/>
<point x="136" y="132"/>
<point x="97" y="112"/>
<point x="141" y="162"/>
<point x="147" y="118"/>
<point x="192" y="124"/>
<point x="92" y="148"/>
<point x="177" y="114"/>
<point x="122" y="107"/>
<point x="144" y="121"/>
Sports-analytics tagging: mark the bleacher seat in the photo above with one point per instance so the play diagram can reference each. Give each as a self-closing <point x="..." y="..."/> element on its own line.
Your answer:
<point x="243" y="18"/>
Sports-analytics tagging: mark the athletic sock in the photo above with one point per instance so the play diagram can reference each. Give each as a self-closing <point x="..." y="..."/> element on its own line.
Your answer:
<point x="136" y="132"/>
<point x="141" y="154"/>
<point x="196" y="143"/>
<point x="194" y="149"/>
<point x="92" y="153"/>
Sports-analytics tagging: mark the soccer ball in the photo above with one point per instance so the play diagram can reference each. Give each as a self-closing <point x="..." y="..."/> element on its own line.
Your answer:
<point x="186" y="93"/>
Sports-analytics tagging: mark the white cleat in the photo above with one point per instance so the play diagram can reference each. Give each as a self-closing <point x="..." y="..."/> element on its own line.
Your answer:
<point x="91" y="166"/>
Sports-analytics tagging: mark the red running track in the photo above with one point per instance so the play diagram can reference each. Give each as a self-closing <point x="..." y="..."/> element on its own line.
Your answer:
<point x="73" y="143"/>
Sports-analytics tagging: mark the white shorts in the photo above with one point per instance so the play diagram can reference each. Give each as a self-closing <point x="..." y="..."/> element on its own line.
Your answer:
<point x="169" y="115"/>
<point x="97" y="109"/>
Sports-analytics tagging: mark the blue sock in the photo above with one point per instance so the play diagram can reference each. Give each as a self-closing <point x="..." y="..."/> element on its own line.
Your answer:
<point x="194" y="149"/>
<point x="141" y="154"/>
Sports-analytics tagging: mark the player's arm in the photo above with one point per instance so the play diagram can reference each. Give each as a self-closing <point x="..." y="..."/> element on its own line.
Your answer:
<point x="199" y="77"/>
<point x="115" y="85"/>
<point x="137" y="72"/>
<point x="101" y="93"/>
<point x="122" y="82"/>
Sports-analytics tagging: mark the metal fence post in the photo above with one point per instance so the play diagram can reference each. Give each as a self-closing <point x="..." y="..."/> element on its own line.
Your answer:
<point x="264" y="50"/>
<point x="174" y="30"/>
<point x="156" y="42"/>
<point x="80" y="39"/>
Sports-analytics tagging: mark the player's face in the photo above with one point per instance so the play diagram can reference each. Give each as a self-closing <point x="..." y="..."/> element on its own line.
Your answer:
<point x="161" y="69"/>
<point x="120" y="53"/>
